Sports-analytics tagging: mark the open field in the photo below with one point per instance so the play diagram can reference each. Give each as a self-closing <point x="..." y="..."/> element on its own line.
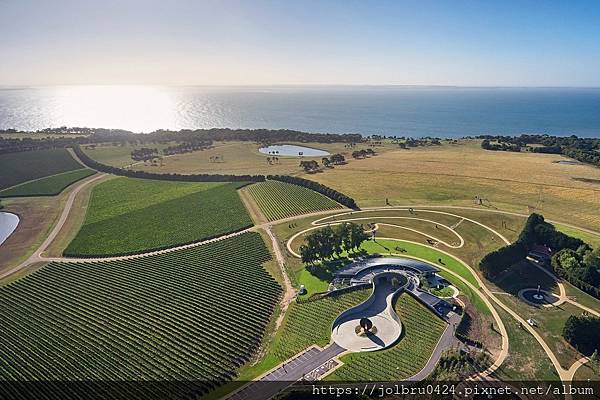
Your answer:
<point x="117" y="155"/>
<point x="143" y="319"/>
<point x="550" y="322"/>
<point x="237" y="158"/>
<point x="421" y="330"/>
<point x="455" y="174"/>
<point x="134" y="215"/>
<point x="279" y="200"/>
<point x="21" y="167"/>
<point x="48" y="186"/>
<point x="526" y="359"/>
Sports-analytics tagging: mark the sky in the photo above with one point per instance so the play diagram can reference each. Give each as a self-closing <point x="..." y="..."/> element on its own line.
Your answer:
<point x="257" y="42"/>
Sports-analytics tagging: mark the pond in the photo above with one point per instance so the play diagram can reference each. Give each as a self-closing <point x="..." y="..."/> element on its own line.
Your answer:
<point x="293" y="150"/>
<point x="568" y="162"/>
<point x="8" y="224"/>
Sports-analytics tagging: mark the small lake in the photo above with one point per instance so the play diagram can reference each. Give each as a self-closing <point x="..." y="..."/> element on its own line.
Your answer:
<point x="568" y="162"/>
<point x="8" y="224"/>
<point x="293" y="150"/>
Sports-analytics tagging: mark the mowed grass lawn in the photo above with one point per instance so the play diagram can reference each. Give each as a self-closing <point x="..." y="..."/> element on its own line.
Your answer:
<point x="17" y="168"/>
<point x="127" y="216"/>
<point x="278" y="200"/>
<point x="48" y="186"/>
<point x="421" y="330"/>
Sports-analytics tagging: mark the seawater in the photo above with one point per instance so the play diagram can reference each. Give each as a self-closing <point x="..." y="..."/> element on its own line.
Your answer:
<point x="388" y="110"/>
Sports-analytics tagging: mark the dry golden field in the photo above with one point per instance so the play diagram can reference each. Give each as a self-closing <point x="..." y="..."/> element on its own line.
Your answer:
<point x="237" y="158"/>
<point x="455" y="174"/>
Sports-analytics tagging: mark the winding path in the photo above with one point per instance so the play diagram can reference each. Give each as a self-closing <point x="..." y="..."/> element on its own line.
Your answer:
<point x="564" y="374"/>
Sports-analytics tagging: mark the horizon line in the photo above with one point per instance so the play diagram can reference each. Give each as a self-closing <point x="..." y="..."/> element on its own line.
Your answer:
<point x="347" y="85"/>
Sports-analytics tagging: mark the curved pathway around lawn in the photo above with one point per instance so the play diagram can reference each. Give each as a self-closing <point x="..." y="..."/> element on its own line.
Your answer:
<point x="564" y="374"/>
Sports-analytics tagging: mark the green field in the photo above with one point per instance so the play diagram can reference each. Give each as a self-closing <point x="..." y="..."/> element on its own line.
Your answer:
<point x="134" y="215"/>
<point x="421" y="330"/>
<point x="196" y="315"/>
<point x="24" y="166"/>
<point x="279" y="200"/>
<point x="310" y="323"/>
<point x="48" y="186"/>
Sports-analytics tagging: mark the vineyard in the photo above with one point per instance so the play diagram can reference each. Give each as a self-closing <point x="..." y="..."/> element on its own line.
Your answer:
<point x="421" y="332"/>
<point x="24" y="166"/>
<point x="49" y="186"/>
<point x="310" y="323"/>
<point x="129" y="216"/>
<point x="279" y="200"/>
<point x="190" y="315"/>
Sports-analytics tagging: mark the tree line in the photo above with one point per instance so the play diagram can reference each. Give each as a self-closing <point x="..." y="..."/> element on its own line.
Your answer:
<point x="311" y="166"/>
<point x="319" y="188"/>
<point x="586" y="150"/>
<point x="535" y="231"/>
<point x="81" y="136"/>
<point x="326" y="242"/>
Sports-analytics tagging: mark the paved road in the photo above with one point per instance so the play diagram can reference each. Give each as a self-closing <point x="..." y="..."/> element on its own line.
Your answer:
<point x="447" y="341"/>
<point x="287" y="374"/>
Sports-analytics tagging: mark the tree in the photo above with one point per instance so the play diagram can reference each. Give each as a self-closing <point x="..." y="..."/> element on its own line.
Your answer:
<point x="308" y="254"/>
<point x="309" y="166"/>
<point x="338" y="239"/>
<point x="345" y="231"/>
<point x="338" y="159"/>
<point x="581" y="331"/>
<point x="328" y="242"/>
<point x="325" y="161"/>
<point x="357" y="235"/>
<point x="592" y="259"/>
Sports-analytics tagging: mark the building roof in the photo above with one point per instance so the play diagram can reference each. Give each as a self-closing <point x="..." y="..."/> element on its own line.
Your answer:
<point x="401" y="263"/>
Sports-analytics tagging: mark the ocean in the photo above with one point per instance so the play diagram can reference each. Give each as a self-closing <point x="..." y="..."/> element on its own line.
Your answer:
<point x="386" y="110"/>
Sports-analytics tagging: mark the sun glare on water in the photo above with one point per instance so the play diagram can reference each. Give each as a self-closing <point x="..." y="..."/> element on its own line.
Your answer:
<point x="134" y="108"/>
